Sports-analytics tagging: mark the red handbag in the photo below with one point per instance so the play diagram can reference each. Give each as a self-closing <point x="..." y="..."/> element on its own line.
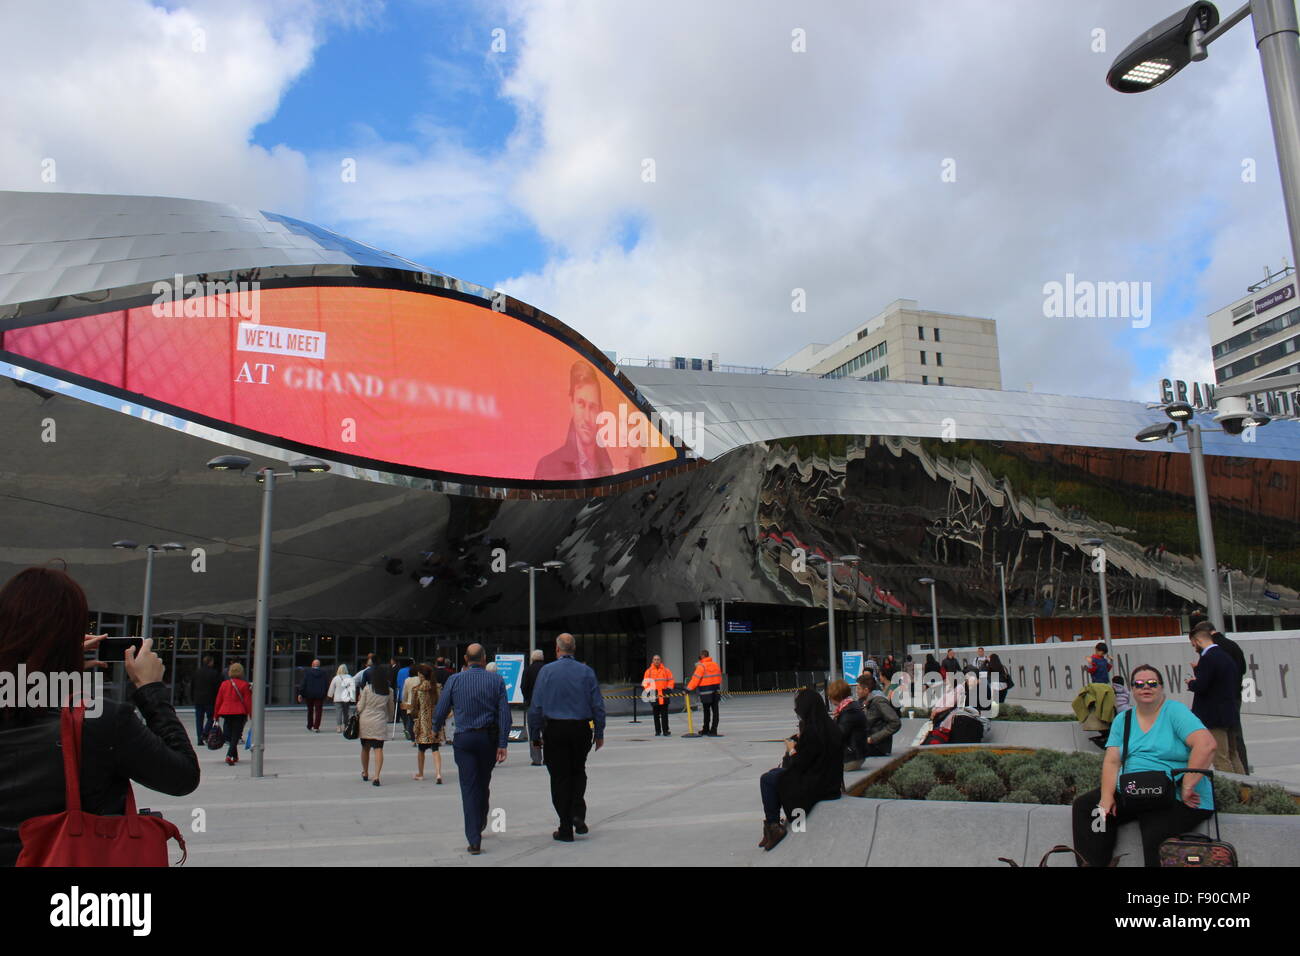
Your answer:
<point x="76" y="838"/>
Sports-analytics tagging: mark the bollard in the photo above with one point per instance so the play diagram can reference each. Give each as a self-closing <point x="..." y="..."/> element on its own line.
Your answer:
<point x="690" y="719"/>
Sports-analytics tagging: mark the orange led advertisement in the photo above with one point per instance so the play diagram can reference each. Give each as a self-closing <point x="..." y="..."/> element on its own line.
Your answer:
<point x="399" y="378"/>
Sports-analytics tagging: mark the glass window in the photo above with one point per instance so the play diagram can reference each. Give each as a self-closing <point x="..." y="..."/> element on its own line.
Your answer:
<point x="938" y="358"/>
<point x="936" y="335"/>
<point x="920" y="332"/>
<point x="922" y="358"/>
<point x="925" y="380"/>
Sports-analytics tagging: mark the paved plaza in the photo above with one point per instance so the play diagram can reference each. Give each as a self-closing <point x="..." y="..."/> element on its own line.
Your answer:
<point x="652" y="801"/>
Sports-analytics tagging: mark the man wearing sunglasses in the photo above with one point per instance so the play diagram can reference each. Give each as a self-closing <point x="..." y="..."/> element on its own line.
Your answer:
<point x="1150" y="741"/>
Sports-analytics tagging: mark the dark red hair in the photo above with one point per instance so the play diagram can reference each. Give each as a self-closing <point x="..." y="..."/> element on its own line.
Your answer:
<point x="42" y="622"/>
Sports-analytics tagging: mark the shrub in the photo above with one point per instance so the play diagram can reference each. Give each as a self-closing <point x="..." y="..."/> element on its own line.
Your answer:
<point x="1271" y="799"/>
<point x="1019" y="796"/>
<point x="1227" y="795"/>
<point x="987" y="758"/>
<point x="1081" y="771"/>
<point x="945" y="791"/>
<point x="1020" y="776"/>
<point x="984" y="785"/>
<point x="1047" y="787"/>
<point x="1013" y="762"/>
<point x="881" y="791"/>
<point x="1011" y="712"/>
<point x="913" y="780"/>
<point x="944" y="765"/>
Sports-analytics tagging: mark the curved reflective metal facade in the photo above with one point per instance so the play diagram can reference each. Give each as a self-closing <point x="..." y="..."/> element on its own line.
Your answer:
<point x="917" y="481"/>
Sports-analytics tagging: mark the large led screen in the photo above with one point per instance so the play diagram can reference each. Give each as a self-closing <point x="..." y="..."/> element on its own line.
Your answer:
<point x="421" y="382"/>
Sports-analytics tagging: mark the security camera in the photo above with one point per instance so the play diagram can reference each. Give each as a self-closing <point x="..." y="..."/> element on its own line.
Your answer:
<point x="1234" y="415"/>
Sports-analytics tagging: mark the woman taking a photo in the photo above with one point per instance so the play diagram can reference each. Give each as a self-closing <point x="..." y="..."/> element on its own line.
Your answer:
<point x="375" y="710"/>
<point x="812" y="770"/>
<point x="42" y="625"/>
<point x="234" y="707"/>
<point x="1147" y="745"/>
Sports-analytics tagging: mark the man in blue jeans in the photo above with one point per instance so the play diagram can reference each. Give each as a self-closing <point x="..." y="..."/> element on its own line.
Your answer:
<point x="482" y="728"/>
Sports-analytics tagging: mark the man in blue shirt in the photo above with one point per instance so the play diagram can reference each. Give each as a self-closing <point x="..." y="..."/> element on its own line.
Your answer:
<point x="482" y="728"/>
<point x="566" y="702"/>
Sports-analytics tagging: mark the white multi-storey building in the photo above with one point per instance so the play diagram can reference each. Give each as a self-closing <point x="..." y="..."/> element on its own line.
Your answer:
<point x="905" y="344"/>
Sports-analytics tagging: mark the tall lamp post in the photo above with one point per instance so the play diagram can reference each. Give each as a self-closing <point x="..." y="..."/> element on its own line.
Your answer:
<point x="1099" y="565"/>
<point x="1235" y="418"/>
<point x="1166" y="48"/>
<point x="261" y="679"/>
<point x="531" y="570"/>
<point x="1006" y="627"/>
<point x="934" y="613"/>
<point x="1232" y="601"/>
<point x="146" y="617"/>
<point x="845" y="560"/>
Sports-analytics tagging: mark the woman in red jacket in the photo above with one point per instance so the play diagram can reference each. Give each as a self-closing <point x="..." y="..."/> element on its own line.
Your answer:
<point x="234" y="707"/>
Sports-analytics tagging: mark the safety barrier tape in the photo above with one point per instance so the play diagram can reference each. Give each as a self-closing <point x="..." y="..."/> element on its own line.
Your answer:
<point x="733" y="693"/>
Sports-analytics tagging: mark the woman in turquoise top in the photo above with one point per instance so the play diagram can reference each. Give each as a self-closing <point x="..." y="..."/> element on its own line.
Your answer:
<point x="1165" y="736"/>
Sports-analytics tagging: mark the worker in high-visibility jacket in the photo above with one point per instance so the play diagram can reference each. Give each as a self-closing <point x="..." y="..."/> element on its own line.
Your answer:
<point x="708" y="678"/>
<point x="658" y="679"/>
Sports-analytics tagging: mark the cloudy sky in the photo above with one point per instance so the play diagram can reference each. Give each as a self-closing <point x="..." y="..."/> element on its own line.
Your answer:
<point x="662" y="176"/>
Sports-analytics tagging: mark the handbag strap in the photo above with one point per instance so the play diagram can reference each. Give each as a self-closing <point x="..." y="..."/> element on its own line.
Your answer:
<point x="235" y="687"/>
<point x="1128" y="725"/>
<point x="1213" y="810"/>
<point x="72" y="724"/>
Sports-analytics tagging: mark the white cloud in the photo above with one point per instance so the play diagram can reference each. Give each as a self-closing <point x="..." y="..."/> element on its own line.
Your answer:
<point x="132" y="98"/>
<point x="821" y="170"/>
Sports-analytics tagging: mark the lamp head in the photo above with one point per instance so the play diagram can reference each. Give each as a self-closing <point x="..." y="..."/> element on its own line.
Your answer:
<point x="229" y="463"/>
<point x="1159" y="432"/>
<point x="1155" y="56"/>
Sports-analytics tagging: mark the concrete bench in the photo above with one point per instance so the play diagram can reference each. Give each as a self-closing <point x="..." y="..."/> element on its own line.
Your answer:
<point x="856" y="831"/>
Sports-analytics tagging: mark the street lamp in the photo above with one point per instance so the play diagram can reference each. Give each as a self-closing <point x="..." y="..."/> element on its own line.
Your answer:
<point x="1006" y="628"/>
<point x="531" y="570"/>
<point x="1234" y="421"/>
<point x="261" y="677"/>
<point x="1099" y="565"/>
<point x="146" y="618"/>
<point x="1166" y="48"/>
<point x="1232" y="601"/>
<point x="934" y="612"/>
<point x="844" y="560"/>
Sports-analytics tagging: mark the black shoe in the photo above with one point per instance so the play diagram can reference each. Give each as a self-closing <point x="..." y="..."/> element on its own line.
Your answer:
<point x="563" y="836"/>
<point x="474" y="849"/>
<point x="667" y="734"/>
<point x="580" y="827"/>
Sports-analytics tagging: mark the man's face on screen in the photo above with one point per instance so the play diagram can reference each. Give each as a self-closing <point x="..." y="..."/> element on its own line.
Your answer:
<point x="586" y="406"/>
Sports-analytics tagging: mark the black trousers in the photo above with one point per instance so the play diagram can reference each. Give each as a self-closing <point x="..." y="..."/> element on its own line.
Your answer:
<point x="233" y="726"/>
<point x="566" y="744"/>
<point x="709" y="707"/>
<point x="1156" y="826"/>
<point x="661" y="716"/>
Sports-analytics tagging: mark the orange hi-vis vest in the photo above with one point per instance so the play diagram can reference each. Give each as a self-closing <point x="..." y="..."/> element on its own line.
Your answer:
<point x="662" y="677"/>
<point x="708" y="677"/>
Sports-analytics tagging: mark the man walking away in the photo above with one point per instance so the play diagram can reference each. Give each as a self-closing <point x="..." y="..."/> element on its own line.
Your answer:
<point x="1216" y="696"/>
<point x="535" y="665"/>
<point x="312" y="690"/>
<point x="708" y="678"/>
<point x="482" y="726"/>
<point x="658" y="679"/>
<point x="568" y="701"/>
<point x="204" y="687"/>
<point x="1238" y="658"/>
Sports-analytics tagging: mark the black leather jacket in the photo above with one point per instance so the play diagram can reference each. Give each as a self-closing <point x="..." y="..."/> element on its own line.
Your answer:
<point x="116" y="747"/>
